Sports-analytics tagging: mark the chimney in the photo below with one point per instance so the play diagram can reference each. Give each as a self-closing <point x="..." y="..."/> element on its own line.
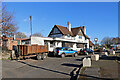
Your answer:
<point x="84" y="29"/>
<point x="69" y="26"/>
<point x="14" y="37"/>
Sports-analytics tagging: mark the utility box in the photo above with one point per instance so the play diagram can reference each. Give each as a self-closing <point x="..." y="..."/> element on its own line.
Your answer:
<point x="13" y="54"/>
<point x="106" y="53"/>
<point x="113" y="52"/>
<point x="95" y="57"/>
<point x="86" y="62"/>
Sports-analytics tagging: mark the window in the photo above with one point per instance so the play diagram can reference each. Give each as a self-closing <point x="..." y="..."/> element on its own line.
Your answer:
<point x="65" y="49"/>
<point x="45" y="43"/>
<point x="56" y="35"/>
<point x="27" y="42"/>
<point x="69" y="49"/>
<point x="80" y="37"/>
<point x="56" y="30"/>
<point x="80" y="45"/>
<point x="51" y="44"/>
<point x="68" y="35"/>
<point x="58" y="43"/>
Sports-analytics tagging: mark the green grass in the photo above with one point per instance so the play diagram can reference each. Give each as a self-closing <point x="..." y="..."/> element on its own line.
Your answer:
<point x="6" y="58"/>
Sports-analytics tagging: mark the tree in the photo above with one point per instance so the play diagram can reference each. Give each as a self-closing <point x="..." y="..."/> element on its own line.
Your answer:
<point x="21" y="35"/>
<point x="116" y="40"/>
<point x="9" y="26"/>
<point x="37" y="34"/>
<point x="107" y="41"/>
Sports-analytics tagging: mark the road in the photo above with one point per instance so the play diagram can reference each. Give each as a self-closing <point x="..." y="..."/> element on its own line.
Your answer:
<point x="51" y="67"/>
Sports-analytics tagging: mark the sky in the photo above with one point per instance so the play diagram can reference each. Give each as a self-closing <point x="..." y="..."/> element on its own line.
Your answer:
<point x="99" y="18"/>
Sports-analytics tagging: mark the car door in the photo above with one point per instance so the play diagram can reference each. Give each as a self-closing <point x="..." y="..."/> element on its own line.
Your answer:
<point x="66" y="51"/>
<point x="71" y="51"/>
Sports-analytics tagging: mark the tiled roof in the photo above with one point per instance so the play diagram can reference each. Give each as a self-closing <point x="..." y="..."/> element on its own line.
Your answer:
<point x="74" y="31"/>
<point x="64" y="30"/>
<point x="85" y="34"/>
<point x="90" y="43"/>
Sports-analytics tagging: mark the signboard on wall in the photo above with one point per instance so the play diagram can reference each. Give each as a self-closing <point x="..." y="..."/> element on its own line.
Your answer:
<point x="37" y="40"/>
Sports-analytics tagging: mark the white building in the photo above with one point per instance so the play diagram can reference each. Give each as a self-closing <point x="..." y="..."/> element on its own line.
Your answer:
<point x="60" y="36"/>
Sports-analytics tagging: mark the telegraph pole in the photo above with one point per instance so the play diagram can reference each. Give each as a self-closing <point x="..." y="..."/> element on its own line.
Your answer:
<point x="31" y="24"/>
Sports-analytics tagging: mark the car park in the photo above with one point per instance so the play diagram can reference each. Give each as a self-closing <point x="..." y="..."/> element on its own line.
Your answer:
<point x="64" y="51"/>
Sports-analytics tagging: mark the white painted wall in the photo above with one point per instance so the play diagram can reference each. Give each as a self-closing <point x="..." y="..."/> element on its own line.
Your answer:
<point x="82" y="39"/>
<point x="87" y="43"/>
<point x="74" y="46"/>
<point x="58" y="43"/>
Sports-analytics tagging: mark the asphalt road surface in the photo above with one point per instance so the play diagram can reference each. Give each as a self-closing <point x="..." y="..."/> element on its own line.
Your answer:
<point x="51" y="67"/>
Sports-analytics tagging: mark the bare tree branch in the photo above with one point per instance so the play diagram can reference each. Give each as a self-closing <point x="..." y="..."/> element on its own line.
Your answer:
<point x="9" y="27"/>
<point x="37" y="34"/>
<point x="21" y="35"/>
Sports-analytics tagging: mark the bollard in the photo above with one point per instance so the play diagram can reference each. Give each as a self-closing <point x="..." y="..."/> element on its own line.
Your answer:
<point x="86" y="62"/>
<point x="113" y="52"/>
<point x="95" y="57"/>
<point x="13" y="54"/>
<point x="106" y="53"/>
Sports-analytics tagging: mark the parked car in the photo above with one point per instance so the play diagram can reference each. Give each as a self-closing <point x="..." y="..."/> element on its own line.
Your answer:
<point x="100" y="50"/>
<point x="86" y="51"/>
<point x="64" y="51"/>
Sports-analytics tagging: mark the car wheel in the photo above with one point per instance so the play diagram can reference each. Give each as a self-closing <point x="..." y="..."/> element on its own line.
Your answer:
<point x="45" y="55"/>
<point x="63" y="55"/>
<point x="75" y="55"/>
<point x="40" y="56"/>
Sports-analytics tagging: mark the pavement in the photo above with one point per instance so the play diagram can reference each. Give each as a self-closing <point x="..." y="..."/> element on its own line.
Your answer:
<point x="92" y="71"/>
<point x="107" y="68"/>
<point x="51" y="67"/>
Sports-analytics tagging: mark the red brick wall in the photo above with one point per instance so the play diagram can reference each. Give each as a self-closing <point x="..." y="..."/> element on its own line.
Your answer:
<point x="10" y="44"/>
<point x="1" y="43"/>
